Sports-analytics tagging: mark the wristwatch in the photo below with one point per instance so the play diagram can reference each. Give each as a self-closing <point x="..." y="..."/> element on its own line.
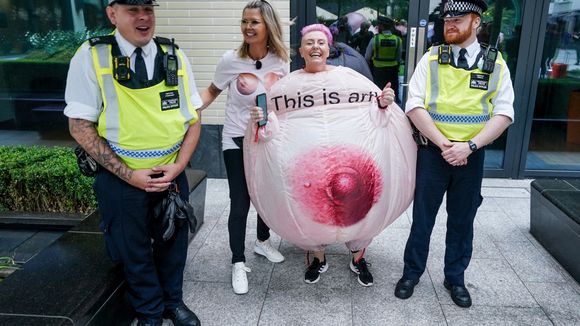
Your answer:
<point x="472" y="145"/>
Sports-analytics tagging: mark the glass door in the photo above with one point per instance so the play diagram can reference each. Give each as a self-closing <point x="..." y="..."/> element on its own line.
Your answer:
<point x="554" y="136"/>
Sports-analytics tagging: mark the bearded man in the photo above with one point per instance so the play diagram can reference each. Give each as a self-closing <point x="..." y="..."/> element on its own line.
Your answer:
<point x="460" y="99"/>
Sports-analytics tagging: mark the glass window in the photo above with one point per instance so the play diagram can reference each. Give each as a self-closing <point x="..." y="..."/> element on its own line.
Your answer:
<point x="37" y="40"/>
<point x="555" y="134"/>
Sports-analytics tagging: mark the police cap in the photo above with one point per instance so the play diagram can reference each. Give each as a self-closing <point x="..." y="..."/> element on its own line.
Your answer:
<point x="385" y="20"/>
<point x="458" y="8"/>
<point x="134" y="2"/>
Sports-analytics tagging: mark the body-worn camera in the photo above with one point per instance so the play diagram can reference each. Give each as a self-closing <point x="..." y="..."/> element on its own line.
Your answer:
<point x="121" y="68"/>
<point x="444" y="54"/>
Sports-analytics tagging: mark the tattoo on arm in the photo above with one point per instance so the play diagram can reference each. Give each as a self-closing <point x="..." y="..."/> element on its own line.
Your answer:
<point x="85" y="133"/>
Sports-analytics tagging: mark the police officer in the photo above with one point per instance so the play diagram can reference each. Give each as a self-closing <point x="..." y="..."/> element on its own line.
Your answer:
<point x="131" y="102"/>
<point x="460" y="106"/>
<point x="383" y="53"/>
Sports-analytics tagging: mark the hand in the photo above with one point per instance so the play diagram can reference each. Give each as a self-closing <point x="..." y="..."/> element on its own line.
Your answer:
<point x="256" y="114"/>
<point x="169" y="171"/>
<point x="387" y="97"/>
<point x="457" y="154"/>
<point x="142" y="179"/>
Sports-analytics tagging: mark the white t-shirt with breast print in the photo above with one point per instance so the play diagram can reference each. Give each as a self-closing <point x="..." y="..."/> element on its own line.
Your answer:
<point x="244" y="83"/>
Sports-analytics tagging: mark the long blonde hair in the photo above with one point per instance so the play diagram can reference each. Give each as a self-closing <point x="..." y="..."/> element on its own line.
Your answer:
<point x="275" y="40"/>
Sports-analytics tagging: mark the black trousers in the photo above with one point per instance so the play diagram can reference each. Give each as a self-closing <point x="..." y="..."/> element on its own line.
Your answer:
<point x="435" y="177"/>
<point x="153" y="268"/>
<point x="240" y="205"/>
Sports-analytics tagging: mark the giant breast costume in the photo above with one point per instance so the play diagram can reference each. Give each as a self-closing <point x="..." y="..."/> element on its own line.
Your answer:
<point x="330" y="166"/>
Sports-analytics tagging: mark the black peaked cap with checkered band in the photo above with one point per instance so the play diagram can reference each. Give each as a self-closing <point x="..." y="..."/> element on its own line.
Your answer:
<point x="457" y="8"/>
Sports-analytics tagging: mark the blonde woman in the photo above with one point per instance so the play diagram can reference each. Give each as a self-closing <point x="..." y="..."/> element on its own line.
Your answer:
<point x="261" y="60"/>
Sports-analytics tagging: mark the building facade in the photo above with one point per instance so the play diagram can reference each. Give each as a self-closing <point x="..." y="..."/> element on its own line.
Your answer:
<point x="540" y="41"/>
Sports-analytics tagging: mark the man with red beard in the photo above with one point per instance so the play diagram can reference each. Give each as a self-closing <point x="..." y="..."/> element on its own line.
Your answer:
<point x="460" y="99"/>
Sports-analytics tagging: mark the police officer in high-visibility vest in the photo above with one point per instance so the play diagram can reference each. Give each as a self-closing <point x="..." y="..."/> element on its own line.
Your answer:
<point x="131" y="103"/>
<point x="383" y="54"/>
<point x="461" y="99"/>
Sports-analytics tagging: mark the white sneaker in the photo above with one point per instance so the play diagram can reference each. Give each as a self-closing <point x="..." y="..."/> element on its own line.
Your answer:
<point x="239" y="278"/>
<point x="265" y="249"/>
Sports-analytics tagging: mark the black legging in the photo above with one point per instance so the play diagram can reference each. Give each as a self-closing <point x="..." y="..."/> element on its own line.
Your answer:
<point x="240" y="205"/>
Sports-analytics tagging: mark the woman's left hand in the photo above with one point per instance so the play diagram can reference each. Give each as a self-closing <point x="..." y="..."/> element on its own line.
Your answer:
<point x="387" y="96"/>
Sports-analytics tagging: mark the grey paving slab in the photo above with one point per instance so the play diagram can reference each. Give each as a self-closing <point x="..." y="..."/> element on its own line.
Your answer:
<point x="216" y="304"/>
<point x="499" y="227"/>
<point x="491" y="282"/>
<point x="559" y="300"/>
<point x="513" y="280"/>
<point x="528" y="263"/>
<point x="377" y="308"/>
<point x="505" y="192"/>
<point x="500" y="316"/>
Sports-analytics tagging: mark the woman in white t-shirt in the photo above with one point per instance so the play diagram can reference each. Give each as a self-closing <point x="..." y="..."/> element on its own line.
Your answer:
<point x="260" y="61"/>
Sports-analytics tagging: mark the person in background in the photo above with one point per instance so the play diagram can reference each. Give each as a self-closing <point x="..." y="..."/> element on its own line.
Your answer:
<point x="261" y="60"/>
<point x="361" y="39"/>
<point x="142" y="129"/>
<point x="384" y="54"/>
<point x="315" y="48"/>
<point x="460" y="108"/>
<point x="343" y="55"/>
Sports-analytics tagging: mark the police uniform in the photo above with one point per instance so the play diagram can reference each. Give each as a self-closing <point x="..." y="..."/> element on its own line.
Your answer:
<point x="144" y="121"/>
<point x="384" y="51"/>
<point x="460" y="101"/>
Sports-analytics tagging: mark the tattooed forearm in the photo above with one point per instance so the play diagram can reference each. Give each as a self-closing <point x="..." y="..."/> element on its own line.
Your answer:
<point x="85" y="133"/>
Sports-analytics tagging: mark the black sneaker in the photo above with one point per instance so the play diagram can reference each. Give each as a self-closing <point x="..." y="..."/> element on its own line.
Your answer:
<point x="313" y="271"/>
<point x="365" y="278"/>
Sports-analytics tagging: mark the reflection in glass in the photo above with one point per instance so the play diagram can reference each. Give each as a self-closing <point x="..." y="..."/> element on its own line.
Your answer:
<point x="555" y="133"/>
<point x="37" y="40"/>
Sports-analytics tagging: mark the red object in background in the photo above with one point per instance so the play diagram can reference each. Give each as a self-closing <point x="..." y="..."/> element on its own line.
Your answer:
<point x="559" y="70"/>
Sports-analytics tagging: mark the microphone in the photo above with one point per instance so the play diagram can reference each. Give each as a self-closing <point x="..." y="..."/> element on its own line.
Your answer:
<point x="258" y="64"/>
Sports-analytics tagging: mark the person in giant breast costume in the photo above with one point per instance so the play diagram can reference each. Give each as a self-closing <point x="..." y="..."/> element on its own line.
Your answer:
<point x="335" y="162"/>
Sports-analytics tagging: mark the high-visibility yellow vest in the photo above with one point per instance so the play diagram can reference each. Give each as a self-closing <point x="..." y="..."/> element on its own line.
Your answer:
<point x="458" y="100"/>
<point x="145" y="126"/>
<point x="385" y="50"/>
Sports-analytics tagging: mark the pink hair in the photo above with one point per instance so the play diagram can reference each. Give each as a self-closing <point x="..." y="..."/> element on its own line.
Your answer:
<point x="317" y="28"/>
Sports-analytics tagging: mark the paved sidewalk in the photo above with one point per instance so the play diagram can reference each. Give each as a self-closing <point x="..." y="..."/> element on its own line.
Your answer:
<point x="512" y="279"/>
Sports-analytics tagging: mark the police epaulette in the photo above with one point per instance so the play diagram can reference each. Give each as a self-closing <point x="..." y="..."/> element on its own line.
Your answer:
<point x="106" y="39"/>
<point x="165" y="41"/>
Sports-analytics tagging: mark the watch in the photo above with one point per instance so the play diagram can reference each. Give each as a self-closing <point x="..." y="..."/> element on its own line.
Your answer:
<point x="472" y="145"/>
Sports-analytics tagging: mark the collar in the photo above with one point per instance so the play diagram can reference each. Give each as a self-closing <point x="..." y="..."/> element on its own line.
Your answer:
<point x="472" y="49"/>
<point x="127" y="48"/>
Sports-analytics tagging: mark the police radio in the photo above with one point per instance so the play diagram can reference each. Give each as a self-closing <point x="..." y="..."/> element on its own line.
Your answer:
<point x="444" y="57"/>
<point x="121" y="68"/>
<point x="489" y="58"/>
<point x="170" y="65"/>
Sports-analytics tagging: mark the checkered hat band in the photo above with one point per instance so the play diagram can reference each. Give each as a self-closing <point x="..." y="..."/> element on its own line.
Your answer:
<point x="459" y="7"/>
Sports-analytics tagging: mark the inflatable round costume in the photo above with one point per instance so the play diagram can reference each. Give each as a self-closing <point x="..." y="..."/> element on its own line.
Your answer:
<point x="330" y="166"/>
